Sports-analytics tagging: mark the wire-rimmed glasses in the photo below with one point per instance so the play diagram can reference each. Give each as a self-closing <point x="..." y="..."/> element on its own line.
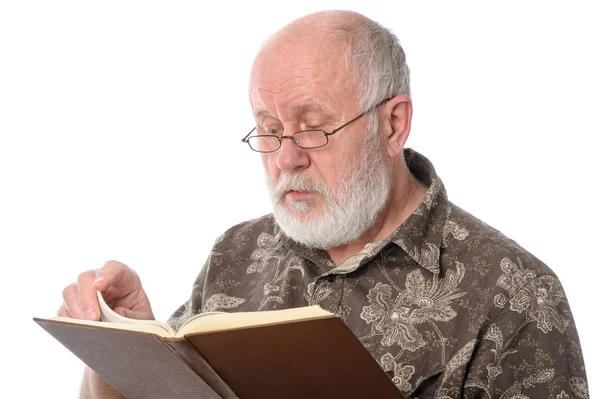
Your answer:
<point x="307" y="139"/>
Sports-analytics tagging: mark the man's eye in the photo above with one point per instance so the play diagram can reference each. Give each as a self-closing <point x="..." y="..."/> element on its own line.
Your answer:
<point x="313" y="125"/>
<point x="271" y="129"/>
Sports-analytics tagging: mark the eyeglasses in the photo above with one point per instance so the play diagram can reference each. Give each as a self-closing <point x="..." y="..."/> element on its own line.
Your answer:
<point x="307" y="139"/>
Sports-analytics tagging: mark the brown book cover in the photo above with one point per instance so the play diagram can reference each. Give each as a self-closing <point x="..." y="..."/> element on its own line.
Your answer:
<point x="306" y="357"/>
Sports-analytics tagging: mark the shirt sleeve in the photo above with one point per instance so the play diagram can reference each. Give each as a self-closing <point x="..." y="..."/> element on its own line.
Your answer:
<point x="193" y="305"/>
<point x="531" y="349"/>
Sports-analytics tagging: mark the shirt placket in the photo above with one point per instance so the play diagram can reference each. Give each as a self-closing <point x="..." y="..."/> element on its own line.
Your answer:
<point x="329" y="286"/>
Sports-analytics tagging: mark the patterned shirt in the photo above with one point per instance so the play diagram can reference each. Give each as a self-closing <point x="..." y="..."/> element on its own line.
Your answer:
<point x="447" y="305"/>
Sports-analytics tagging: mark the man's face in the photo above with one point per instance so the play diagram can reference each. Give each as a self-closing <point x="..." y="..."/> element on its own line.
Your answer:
<point x="299" y="83"/>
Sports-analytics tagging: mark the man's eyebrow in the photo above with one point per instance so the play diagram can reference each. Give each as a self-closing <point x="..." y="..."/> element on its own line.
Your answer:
<point x="298" y="109"/>
<point x="261" y="112"/>
<point x="307" y="106"/>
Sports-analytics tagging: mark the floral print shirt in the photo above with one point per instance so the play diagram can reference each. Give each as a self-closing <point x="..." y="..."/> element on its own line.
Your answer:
<point x="447" y="305"/>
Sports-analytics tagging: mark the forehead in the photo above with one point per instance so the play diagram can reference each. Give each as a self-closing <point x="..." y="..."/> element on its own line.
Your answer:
<point x="300" y="73"/>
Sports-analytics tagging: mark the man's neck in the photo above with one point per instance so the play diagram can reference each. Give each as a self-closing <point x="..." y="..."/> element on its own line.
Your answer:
<point x="404" y="200"/>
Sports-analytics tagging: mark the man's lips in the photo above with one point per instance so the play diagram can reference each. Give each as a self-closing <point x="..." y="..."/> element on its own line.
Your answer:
<point x="298" y="195"/>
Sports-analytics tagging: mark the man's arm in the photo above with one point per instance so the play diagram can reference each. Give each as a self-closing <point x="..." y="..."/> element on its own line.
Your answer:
<point x="530" y="348"/>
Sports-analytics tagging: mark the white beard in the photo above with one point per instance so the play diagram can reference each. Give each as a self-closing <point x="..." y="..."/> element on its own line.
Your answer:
<point x="348" y="211"/>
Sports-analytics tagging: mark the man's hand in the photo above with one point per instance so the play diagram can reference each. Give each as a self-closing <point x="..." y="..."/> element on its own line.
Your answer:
<point x="122" y="291"/>
<point x="120" y="286"/>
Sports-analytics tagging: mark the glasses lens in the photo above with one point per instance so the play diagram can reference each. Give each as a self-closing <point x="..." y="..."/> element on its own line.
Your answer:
<point x="264" y="143"/>
<point x="310" y="138"/>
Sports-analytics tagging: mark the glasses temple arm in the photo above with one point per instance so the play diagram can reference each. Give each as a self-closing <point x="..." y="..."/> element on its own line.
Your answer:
<point x="245" y="139"/>
<point x="373" y="108"/>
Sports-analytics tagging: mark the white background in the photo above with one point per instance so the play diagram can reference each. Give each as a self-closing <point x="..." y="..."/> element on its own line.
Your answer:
<point x="120" y="127"/>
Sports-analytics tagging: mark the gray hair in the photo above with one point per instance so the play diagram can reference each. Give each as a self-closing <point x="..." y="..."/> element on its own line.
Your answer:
<point x="377" y="59"/>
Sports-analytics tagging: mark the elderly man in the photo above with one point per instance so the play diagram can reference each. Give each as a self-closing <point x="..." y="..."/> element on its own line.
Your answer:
<point x="361" y="226"/>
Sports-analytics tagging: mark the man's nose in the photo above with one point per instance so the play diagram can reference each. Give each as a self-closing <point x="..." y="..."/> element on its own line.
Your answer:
<point x="290" y="156"/>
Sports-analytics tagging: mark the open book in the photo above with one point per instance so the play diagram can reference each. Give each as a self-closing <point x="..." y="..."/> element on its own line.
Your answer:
<point x="203" y="322"/>
<point x="302" y="352"/>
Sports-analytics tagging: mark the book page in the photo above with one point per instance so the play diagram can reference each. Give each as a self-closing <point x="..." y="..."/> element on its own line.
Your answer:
<point x="214" y="321"/>
<point x="156" y="329"/>
<point x="110" y="316"/>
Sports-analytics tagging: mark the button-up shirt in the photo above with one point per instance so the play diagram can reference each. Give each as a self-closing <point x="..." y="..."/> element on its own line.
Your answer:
<point x="447" y="305"/>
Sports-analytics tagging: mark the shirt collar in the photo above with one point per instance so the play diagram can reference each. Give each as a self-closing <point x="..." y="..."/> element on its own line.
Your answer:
<point x="420" y="236"/>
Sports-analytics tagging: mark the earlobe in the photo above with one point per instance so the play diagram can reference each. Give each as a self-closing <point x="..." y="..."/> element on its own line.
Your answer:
<point x="400" y="116"/>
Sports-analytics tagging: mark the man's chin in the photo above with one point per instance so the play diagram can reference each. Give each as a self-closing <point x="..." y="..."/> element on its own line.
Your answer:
<point x="298" y="211"/>
<point x="299" y="214"/>
<point x="311" y="230"/>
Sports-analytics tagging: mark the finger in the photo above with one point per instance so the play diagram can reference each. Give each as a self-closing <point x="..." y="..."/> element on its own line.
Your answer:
<point x="62" y="311"/>
<point x="111" y="274"/>
<point x="86" y="295"/>
<point x="71" y="302"/>
<point x="118" y="275"/>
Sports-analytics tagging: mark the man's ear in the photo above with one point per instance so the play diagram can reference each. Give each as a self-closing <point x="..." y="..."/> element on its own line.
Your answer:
<point x="398" y="113"/>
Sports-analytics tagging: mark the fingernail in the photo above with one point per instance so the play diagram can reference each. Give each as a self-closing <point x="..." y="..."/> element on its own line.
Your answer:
<point x="98" y="280"/>
<point x="90" y="314"/>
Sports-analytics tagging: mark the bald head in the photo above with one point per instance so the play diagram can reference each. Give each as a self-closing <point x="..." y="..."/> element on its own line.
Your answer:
<point x="324" y="24"/>
<point x="305" y="52"/>
<point x="364" y="48"/>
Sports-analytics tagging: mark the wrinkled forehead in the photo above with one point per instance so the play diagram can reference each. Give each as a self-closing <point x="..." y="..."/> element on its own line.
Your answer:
<point x="301" y="68"/>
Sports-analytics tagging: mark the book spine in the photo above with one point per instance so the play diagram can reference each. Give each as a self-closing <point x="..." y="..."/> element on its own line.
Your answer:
<point x="194" y="359"/>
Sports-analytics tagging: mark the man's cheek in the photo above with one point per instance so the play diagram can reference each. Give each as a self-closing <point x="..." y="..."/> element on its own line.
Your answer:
<point x="272" y="169"/>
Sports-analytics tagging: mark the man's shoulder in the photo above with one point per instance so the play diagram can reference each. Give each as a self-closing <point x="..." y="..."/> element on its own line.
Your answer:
<point x="485" y="243"/>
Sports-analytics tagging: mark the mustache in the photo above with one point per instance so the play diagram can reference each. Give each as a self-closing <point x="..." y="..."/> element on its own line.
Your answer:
<point x="296" y="182"/>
